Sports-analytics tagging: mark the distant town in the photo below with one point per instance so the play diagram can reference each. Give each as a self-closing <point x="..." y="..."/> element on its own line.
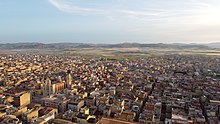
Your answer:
<point x="48" y="88"/>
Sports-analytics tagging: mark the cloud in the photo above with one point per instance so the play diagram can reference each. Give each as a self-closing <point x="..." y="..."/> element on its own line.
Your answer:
<point x="172" y="10"/>
<point x="142" y="13"/>
<point x="70" y="8"/>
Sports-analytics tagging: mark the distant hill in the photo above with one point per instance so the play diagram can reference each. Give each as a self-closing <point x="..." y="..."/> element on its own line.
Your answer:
<point x="22" y="46"/>
<point x="213" y="45"/>
<point x="11" y="46"/>
<point x="158" y="45"/>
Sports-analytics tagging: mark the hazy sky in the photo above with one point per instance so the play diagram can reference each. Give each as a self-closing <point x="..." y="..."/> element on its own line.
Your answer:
<point x="110" y="21"/>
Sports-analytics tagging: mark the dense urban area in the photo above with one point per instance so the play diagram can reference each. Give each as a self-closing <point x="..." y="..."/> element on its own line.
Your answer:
<point x="62" y="89"/>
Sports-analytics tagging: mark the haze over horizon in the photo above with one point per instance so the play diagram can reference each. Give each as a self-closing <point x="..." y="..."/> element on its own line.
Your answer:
<point x="115" y="21"/>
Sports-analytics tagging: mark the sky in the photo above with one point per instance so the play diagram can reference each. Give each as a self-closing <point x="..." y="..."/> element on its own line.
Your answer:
<point x="110" y="21"/>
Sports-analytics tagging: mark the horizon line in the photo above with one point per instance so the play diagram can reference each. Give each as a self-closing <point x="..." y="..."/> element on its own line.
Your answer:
<point x="129" y="42"/>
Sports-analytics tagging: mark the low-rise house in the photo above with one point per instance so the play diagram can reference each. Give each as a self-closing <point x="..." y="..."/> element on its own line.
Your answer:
<point x="75" y="104"/>
<point x="10" y="119"/>
<point x="58" y="102"/>
<point x="127" y="115"/>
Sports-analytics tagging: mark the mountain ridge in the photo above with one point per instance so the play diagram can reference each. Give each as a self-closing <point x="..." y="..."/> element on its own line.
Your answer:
<point x="33" y="45"/>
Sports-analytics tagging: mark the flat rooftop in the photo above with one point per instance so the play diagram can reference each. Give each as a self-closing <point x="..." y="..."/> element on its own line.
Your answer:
<point x="112" y="121"/>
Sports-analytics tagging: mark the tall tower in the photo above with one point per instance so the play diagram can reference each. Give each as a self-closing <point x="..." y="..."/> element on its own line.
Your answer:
<point x="69" y="80"/>
<point x="47" y="87"/>
<point x="60" y="79"/>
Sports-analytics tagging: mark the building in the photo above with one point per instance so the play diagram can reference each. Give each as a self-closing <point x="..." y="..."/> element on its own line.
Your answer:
<point x="58" y="87"/>
<point x="47" y="113"/>
<point x="56" y="101"/>
<point x="9" y="119"/>
<point x="21" y="98"/>
<point x="31" y="115"/>
<point x="76" y="104"/>
<point x="112" y="121"/>
<point x="60" y="121"/>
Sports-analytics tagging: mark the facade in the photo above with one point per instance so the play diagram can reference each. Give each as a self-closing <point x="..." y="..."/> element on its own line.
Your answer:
<point x="20" y="98"/>
<point x="59" y="103"/>
<point x="75" y="105"/>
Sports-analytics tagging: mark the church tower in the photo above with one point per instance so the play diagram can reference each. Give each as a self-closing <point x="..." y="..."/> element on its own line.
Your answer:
<point x="47" y="87"/>
<point x="69" y="79"/>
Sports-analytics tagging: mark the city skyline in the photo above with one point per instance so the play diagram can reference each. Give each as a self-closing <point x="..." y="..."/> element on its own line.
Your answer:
<point x="116" y="21"/>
